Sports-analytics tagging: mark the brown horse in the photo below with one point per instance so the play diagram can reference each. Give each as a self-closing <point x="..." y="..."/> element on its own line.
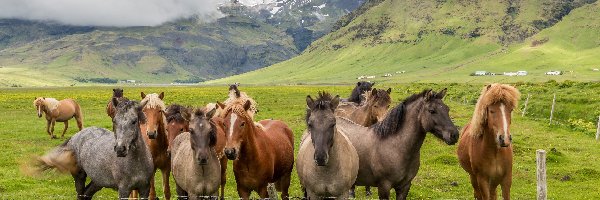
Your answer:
<point x="262" y="152"/>
<point x="178" y="121"/>
<point x="485" y="148"/>
<point x="155" y="136"/>
<point x="58" y="111"/>
<point x="110" y="109"/>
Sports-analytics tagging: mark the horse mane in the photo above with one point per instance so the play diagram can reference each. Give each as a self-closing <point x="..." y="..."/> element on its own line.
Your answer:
<point x="241" y="99"/>
<point x="323" y="102"/>
<point x="379" y="95"/>
<point x="394" y="119"/>
<point x="491" y="94"/>
<point x="177" y="113"/>
<point x="152" y="101"/>
<point x="50" y="103"/>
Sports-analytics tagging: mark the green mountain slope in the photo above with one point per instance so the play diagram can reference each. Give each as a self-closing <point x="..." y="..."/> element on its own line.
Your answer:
<point x="446" y="41"/>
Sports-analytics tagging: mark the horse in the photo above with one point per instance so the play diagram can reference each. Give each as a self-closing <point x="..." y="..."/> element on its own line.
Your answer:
<point x="375" y="105"/>
<point x="262" y="152"/>
<point x="178" y="121"/>
<point x="360" y="88"/>
<point x="110" y="109"/>
<point x="327" y="163"/>
<point x="58" y="111"/>
<point x="485" y="147"/>
<point x="196" y="166"/>
<point x="118" y="160"/>
<point x="389" y="151"/>
<point x="155" y="135"/>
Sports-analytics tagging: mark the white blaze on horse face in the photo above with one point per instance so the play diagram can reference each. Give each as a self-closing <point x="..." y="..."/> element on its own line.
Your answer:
<point x="504" y="121"/>
<point x="233" y="119"/>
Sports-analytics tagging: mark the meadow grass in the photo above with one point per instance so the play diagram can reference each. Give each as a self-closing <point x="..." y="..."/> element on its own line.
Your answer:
<point x="572" y="151"/>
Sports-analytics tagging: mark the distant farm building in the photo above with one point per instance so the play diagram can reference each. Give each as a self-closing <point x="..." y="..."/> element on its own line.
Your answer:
<point x="555" y="73"/>
<point x="596" y="70"/>
<point x="483" y="73"/>
<point x="387" y="75"/>
<point x="518" y="73"/>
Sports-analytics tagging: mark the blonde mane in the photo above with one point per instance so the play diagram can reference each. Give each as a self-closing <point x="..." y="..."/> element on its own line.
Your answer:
<point x="153" y="101"/>
<point x="241" y="100"/>
<point x="50" y="103"/>
<point x="492" y="94"/>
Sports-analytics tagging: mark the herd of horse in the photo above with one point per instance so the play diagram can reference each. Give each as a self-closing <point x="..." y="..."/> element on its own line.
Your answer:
<point x="350" y="142"/>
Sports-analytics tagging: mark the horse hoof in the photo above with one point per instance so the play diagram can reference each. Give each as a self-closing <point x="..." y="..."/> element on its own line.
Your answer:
<point x="53" y="137"/>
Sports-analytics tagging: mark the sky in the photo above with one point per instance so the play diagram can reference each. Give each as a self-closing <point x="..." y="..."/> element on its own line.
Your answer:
<point x="118" y="13"/>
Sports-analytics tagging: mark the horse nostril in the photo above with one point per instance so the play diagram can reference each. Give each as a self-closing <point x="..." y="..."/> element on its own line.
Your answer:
<point x="510" y="138"/>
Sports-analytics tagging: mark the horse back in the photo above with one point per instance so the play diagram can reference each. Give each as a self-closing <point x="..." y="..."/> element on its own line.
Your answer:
<point x="280" y="142"/>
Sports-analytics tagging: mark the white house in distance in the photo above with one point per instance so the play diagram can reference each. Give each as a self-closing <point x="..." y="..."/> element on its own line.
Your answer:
<point x="555" y="73"/>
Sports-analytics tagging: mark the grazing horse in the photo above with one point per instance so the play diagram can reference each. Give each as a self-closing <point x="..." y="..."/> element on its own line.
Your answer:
<point x="178" y="121"/>
<point x="119" y="161"/>
<point x="196" y="166"/>
<point x="389" y="151"/>
<point x="375" y="105"/>
<point x="110" y="109"/>
<point x="155" y="135"/>
<point x="327" y="162"/>
<point x="262" y="152"/>
<point x="360" y="88"/>
<point x="58" y="111"/>
<point x="485" y="148"/>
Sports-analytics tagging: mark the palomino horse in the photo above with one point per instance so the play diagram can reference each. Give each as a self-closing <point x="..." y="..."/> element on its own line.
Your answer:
<point x="155" y="134"/>
<point x="58" y="111"/>
<point x="389" y="151"/>
<point x="196" y="166"/>
<point x="262" y="153"/>
<point x="375" y="104"/>
<point x="178" y="121"/>
<point x="119" y="161"/>
<point x="360" y="88"/>
<point x="327" y="162"/>
<point x="485" y="148"/>
<point x="110" y="109"/>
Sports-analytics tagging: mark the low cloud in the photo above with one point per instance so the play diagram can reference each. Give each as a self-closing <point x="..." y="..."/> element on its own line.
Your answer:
<point x="119" y="13"/>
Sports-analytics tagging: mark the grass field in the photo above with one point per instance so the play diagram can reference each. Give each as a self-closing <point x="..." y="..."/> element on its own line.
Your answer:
<point x="572" y="151"/>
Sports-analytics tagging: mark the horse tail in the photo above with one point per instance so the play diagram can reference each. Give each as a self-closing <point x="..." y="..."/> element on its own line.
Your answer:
<point x="61" y="158"/>
<point x="78" y="115"/>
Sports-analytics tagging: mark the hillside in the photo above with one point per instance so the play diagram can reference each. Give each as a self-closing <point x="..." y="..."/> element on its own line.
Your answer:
<point x="446" y="41"/>
<point x="250" y="35"/>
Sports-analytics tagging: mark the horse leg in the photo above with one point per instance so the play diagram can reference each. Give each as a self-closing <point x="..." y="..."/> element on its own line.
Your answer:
<point x="52" y="136"/>
<point x="80" y="183"/>
<point x="384" y="190"/>
<point x="143" y="192"/>
<point x="64" y="131"/>
<point x="91" y="189"/>
<point x="152" y="189"/>
<point x="223" y="176"/>
<point x="165" y="175"/>
<point x="352" y="193"/>
<point x="506" y="183"/>
<point x="48" y="123"/>
<point x="244" y="192"/>
<point x="476" y="190"/>
<point x="402" y="191"/>
<point x="484" y="187"/>
<point x="263" y="192"/>
<point x="181" y="193"/>
<point x="284" y="185"/>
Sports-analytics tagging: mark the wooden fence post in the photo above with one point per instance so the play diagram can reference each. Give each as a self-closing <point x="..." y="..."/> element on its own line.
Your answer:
<point x="541" y="174"/>
<point x="525" y="108"/>
<point x="552" y="111"/>
<point x="272" y="192"/>
<point x="598" y="129"/>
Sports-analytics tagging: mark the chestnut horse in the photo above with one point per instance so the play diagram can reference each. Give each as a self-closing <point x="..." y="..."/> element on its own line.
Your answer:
<point x="485" y="148"/>
<point x="178" y="121"/>
<point x="110" y="109"/>
<point x="58" y="111"/>
<point x="262" y="152"/>
<point x="155" y="135"/>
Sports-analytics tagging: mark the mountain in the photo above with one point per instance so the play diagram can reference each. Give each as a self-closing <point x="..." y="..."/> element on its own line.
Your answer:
<point x="251" y="34"/>
<point x="446" y="41"/>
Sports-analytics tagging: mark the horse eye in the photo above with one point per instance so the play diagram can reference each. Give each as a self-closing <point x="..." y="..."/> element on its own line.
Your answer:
<point x="134" y="121"/>
<point x="432" y="111"/>
<point x="243" y="123"/>
<point x="180" y="130"/>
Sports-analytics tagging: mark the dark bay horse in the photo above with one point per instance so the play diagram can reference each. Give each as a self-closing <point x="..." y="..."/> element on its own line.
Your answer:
<point x="118" y="160"/>
<point x="58" y="111"/>
<point x="389" y="151"/>
<point x="196" y="166"/>
<point x="155" y="135"/>
<point x="327" y="162"/>
<point x="485" y="148"/>
<point x="360" y="88"/>
<point x="262" y="152"/>
<point x="118" y="94"/>
<point x="178" y="121"/>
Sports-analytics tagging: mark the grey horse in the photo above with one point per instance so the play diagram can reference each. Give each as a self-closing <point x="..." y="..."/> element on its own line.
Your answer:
<point x="389" y="151"/>
<point x="327" y="162"/>
<point x="119" y="161"/>
<point x="196" y="167"/>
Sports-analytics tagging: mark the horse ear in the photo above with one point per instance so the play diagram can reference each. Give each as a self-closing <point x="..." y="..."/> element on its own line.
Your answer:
<point x="115" y="102"/>
<point x="310" y="102"/>
<point x="441" y="94"/>
<point x="211" y="113"/>
<point x="335" y="101"/>
<point x="372" y="84"/>
<point x="358" y="83"/>
<point x="186" y="114"/>
<point x="488" y="87"/>
<point x="220" y="105"/>
<point x="143" y="95"/>
<point x="389" y="90"/>
<point x="428" y="95"/>
<point x="247" y="105"/>
<point x="161" y="95"/>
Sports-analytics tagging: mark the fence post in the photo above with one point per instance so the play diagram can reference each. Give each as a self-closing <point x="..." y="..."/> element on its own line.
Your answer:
<point x="525" y="108"/>
<point x="272" y="192"/>
<point x="552" y="111"/>
<point x="598" y="129"/>
<point x="541" y="174"/>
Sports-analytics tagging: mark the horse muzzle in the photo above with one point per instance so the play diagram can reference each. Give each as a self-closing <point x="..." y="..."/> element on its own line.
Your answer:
<point x="39" y="115"/>
<point x="202" y="161"/>
<point x="152" y="134"/>
<point x="321" y="159"/>
<point x="230" y="153"/>
<point x="121" y="151"/>
<point x="502" y="141"/>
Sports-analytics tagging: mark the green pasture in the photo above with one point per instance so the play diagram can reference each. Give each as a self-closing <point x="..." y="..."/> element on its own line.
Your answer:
<point x="572" y="163"/>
